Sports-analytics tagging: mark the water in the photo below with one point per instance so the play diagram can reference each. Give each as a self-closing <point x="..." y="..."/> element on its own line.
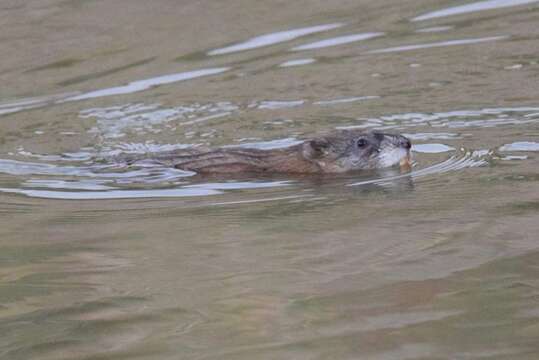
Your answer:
<point x="100" y="260"/>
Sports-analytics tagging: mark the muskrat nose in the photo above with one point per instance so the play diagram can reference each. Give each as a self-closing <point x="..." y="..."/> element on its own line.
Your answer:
<point x="405" y="143"/>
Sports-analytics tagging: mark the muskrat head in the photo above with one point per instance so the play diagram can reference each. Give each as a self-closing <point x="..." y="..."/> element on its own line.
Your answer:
<point x="348" y="150"/>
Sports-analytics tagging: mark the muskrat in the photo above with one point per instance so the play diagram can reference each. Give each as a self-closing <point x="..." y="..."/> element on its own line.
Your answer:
<point x="336" y="152"/>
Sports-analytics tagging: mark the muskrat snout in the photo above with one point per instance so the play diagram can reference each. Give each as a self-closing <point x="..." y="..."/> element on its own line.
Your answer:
<point x="400" y="141"/>
<point x="405" y="142"/>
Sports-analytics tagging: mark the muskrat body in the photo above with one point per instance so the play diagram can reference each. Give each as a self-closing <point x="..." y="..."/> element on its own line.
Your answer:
<point x="337" y="152"/>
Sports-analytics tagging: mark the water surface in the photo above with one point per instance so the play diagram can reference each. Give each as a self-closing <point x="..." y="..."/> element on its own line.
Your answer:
<point x="99" y="260"/>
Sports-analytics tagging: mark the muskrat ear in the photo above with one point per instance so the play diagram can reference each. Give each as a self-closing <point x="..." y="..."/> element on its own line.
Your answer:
<point x="315" y="148"/>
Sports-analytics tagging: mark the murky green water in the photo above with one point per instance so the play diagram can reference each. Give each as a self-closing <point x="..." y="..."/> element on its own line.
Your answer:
<point x="115" y="262"/>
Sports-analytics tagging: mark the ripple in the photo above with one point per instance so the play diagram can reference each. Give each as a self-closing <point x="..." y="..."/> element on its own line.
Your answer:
<point x="339" y="40"/>
<point x="297" y="62"/>
<point x="272" y="105"/>
<point x="272" y="144"/>
<point x="488" y="117"/>
<point x="64" y="184"/>
<point x="473" y="7"/>
<point x="114" y="121"/>
<point x="74" y="156"/>
<point x="432" y="148"/>
<point x="438" y="44"/>
<point x="521" y="146"/>
<point x="142" y="174"/>
<point x="429" y="136"/>
<point x="32" y="103"/>
<point x="144" y="148"/>
<point x="457" y="162"/>
<point x="93" y="191"/>
<point x="345" y="100"/>
<point x="273" y="38"/>
<point x="132" y="87"/>
<point x="239" y="185"/>
<point x="514" y="157"/>
<point x="141" y="85"/>
<point x="434" y="29"/>
<point x="114" y="194"/>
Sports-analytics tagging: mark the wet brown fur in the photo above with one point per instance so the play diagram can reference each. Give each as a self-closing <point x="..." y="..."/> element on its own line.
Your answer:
<point x="332" y="153"/>
<point x="230" y="160"/>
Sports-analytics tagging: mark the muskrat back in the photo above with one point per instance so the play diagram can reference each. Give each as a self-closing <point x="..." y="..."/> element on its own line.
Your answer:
<point x="336" y="152"/>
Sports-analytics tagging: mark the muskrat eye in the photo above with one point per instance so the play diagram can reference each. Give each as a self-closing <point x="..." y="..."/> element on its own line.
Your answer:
<point x="361" y="143"/>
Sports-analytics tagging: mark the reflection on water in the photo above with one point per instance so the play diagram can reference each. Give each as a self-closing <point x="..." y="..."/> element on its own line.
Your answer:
<point x="274" y="38"/>
<point x="434" y="29"/>
<point x="297" y="62"/>
<point x="272" y="144"/>
<point x="432" y="148"/>
<point x="31" y="103"/>
<point x="473" y="7"/>
<point x="345" y="100"/>
<point x="521" y="146"/>
<point x="483" y="118"/>
<point x="437" y="44"/>
<point x="339" y="40"/>
<point x="112" y="194"/>
<point x="104" y="260"/>
<point x="141" y="85"/>
<point x="429" y="136"/>
<point x="132" y="87"/>
<point x="112" y="122"/>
